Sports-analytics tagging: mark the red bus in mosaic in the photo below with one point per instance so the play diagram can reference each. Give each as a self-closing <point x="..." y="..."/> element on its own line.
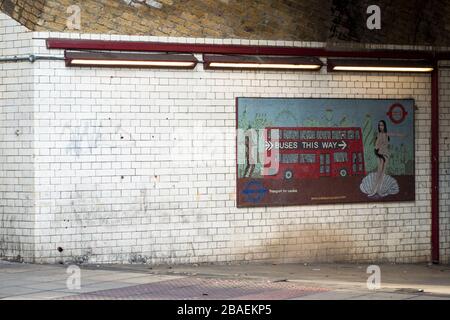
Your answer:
<point x="313" y="152"/>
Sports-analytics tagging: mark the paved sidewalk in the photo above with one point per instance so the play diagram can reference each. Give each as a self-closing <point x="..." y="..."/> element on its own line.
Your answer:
<point x="220" y="282"/>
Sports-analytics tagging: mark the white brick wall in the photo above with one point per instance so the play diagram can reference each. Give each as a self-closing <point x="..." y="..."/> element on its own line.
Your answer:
<point x="16" y="144"/>
<point x="139" y="165"/>
<point x="444" y="179"/>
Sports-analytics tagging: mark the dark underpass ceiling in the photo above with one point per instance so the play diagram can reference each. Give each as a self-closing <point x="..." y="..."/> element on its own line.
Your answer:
<point x="412" y="22"/>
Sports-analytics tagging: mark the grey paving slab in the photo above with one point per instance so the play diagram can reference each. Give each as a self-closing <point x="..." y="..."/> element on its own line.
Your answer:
<point x="40" y="277"/>
<point x="17" y="268"/>
<point x="428" y="297"/>
<point x="31" y="280"/>
<point x="13" y="283"/>
<point x="149" y="279"/>
<point x="15" y="271"/>
<point x="111" y="276"/>
<point x="14" y="291"/>
<point x="383" y="296"/>
<point x="95" y="287"/>
<point x="46" y="286"/>
<point x="41" y="295"/>
<point x="331" y="295"/>
<point x="88" y="274"/>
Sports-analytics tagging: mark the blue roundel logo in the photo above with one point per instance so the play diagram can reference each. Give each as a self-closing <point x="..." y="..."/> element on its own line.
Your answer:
<point x="254" y="191"/>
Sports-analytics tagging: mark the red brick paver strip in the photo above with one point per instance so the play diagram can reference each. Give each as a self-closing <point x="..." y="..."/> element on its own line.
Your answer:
<point x="203" y="289"/>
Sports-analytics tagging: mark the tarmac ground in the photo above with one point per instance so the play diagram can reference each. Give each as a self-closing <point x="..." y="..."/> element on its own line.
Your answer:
<point x="20" y="281"/>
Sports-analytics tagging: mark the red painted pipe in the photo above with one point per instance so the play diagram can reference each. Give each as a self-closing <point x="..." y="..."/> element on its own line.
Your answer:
<point x="81" y="44"/>
<point x="435" y="165"/>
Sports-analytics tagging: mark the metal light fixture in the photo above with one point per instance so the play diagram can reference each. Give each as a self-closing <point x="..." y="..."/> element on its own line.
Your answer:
<point x="260" y="62"/>
<point x="129" y="60"/>
<point x="374" y="65"/>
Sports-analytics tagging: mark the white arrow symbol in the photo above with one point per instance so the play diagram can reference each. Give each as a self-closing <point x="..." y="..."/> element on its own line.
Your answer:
<point x="269" y="145"/>
<point x="343" y="145"/>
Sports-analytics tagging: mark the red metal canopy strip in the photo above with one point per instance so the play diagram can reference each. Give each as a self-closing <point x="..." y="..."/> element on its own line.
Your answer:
<point x="82" y="44"/>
